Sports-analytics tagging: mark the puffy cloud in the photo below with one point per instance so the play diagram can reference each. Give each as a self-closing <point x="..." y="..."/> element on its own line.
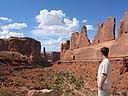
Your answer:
<point x="5" y="19"/>
<point x="14" y="26"/>
<point x="90" y="27"/>
<point x="7" y="34"/>
<point x="54" y="23"/>
<point x="50" y="18"/>
<point x="6" y="31"/>
<point x="52" y="44"/>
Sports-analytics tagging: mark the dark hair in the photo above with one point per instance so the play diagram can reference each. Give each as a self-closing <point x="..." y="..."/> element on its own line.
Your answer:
<point x="105" y="51"/>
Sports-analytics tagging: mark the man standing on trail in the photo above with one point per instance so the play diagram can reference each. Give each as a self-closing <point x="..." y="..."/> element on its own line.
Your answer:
<point x="104" y="73"/>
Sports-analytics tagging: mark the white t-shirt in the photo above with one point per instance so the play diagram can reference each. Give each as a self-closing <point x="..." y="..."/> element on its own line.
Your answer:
<point x="104" y="67"/>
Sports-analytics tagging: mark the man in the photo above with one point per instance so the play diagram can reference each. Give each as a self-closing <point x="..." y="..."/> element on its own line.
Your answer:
<point x="104" y="72"/>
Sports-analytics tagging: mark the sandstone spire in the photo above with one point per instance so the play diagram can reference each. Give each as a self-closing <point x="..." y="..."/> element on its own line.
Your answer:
<point x="84" y="41"/>
<point x="74" y="40"/>
<point x="106" y="32"/>
<point x="123" y="26"/>
<point x="99" y="35"/>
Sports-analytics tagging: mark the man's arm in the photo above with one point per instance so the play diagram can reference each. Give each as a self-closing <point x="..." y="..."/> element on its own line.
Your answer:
<point x="102" y="81"/>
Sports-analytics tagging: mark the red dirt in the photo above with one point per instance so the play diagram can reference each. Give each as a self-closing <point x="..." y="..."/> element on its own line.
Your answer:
<point x="18" y="80"/>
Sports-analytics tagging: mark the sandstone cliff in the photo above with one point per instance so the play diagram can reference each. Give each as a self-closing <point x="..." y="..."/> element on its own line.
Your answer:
<point x="20" y="49"/>
<point x="106" y="32"/>
<point x="81" y="49"/>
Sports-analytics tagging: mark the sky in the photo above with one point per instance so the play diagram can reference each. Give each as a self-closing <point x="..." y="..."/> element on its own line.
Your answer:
<point x="53" y="21"/>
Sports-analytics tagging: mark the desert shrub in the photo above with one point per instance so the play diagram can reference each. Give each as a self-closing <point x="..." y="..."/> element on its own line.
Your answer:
<point x="67" y="82"/>
<point x="2" y="93"/>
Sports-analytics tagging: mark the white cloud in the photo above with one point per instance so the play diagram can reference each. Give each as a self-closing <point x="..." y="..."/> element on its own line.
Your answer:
<point x="54" y="23"/>
<point x="84" y="21"/>
<point x="5" y="19"/>
<point x="90" y="27"/>
<point x="52" y="44"/>
<point x="14" y="26"/>
<point x="50" y="18"/>
<point x="5" y="30"/>
<point x="7" y="34"/>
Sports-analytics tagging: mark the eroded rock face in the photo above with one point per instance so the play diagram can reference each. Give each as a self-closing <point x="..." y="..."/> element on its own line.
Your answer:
<point x="74" y="40"/>
<point x="99" y="36"/>
<point x="65" y="45"/>
<point x="84" y="41"/>
<point x="25" y="46"/>
<point x="105" y="37"/>
<point x="124" y="26"/>
<point x="106" y="32"/>
<point x="109" y="29"/>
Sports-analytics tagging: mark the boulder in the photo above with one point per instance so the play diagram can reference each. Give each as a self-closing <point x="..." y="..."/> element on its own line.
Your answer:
<point x="83" y="38"/>
<point x="44" y="92"/>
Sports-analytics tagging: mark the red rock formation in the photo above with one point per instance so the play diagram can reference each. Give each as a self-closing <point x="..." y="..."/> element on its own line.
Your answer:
<point x="84" y="41"/>
<point x="106" y="32"/>
<point x="25" y="46"/>
<point x="12" y="56"/>
<point x="99" y="36"/>
<point x="74" y="40"/>
<point x="65" y="45"/>
<point x="109" y="29"/>
<point x="55" y="56"/>
<point x="124" y="26"/>
<point x="106" y="35"/>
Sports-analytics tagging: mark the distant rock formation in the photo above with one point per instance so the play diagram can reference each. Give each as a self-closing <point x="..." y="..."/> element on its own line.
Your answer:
<point x="77" y="40"/>
<point x="106" y="32"/>
<point x="74" y="40"/>
<point x="82" y="49"/>
<point x="65" y="46"/>
<point x="20" y="49"/>
<point x="84" y="41"/>
<point x="124" y="26"/>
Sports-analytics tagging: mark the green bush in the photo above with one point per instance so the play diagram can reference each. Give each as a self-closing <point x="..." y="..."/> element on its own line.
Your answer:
<point x="2" y="93"/>
<point x="61" y="77"/>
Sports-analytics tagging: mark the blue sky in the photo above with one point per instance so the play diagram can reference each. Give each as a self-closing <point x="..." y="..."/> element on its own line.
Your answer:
<point x="23" y="18"/>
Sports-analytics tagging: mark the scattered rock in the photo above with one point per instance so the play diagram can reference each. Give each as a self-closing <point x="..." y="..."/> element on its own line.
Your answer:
<point x="44" y="92"/>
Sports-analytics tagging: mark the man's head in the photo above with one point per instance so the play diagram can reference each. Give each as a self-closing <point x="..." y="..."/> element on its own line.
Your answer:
<point x="105" y="51"/>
